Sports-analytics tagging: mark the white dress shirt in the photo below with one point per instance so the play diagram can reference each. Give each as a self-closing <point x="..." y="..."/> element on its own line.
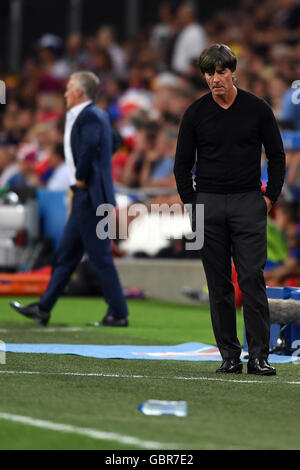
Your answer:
<point x="72" y="115"/>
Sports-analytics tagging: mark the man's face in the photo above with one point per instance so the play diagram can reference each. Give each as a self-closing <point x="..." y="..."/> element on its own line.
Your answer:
<point x="4" y="160"/>
<point x="54" y="159"/>
<point x="220" y="82"/>
<point x="73" y="93"/>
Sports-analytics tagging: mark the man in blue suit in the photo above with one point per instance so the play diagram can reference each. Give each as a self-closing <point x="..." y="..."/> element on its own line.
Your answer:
<point x="89" y="143"/>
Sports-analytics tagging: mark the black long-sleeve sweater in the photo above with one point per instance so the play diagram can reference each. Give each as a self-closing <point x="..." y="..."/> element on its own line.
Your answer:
<point x="226" y="145"/>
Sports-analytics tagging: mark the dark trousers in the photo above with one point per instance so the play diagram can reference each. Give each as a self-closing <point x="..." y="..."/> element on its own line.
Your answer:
<point x="80" y="237"/>
<point x="235" y="227"/>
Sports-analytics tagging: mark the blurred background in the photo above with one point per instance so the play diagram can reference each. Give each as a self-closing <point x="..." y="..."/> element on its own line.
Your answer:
<point x="145" y="53"/>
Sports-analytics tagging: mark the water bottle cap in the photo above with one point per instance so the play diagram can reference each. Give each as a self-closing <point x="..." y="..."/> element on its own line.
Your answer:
<point x="140" y="407"/>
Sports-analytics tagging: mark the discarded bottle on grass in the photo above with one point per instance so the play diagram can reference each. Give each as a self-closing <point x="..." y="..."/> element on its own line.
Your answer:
<point x="162" y="407"/>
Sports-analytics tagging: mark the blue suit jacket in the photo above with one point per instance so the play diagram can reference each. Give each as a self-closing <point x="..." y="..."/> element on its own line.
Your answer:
<point x="93" y="141"/>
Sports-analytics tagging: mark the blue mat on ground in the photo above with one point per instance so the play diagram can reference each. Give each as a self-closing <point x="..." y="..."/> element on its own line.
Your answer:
<point x="180" y="352"/>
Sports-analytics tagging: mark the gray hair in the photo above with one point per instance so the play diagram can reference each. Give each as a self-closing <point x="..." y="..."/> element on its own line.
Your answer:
<point x="89" y="83"/>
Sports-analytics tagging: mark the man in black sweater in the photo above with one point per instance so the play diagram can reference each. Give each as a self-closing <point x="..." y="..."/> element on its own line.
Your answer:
<point x="226" y="129"/>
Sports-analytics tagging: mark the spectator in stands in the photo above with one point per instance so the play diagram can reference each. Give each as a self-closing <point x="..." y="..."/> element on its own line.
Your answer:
<point x="39" y="138"/>
<point x="49" y="107"/>
<point x="8" y="165"/>
<point x="163" y="34"/>
<point x="60" y="178"/>
<point x="293" y="167"/>
<point x="277" y="86"/>
<point x="144" y="143"/>
<point x="289" y="14"/>
<point x="56" y="133"/>
<point x="76" y="58"/>
<point x="102" y="66"/>
<point x="290" y="109"/>
<point x="190" y="41"/>
<point x="26" y="175"/>
<point x="161" y="173"/>
<point x="106" y="40"/>
<point x="164" y="86"/>
<point x="288" y="220"/>
<point x="9" y="134"/>
<point x="158" y="165"/>
<point x="180" y="100"/>
<point x="54" y="69"/>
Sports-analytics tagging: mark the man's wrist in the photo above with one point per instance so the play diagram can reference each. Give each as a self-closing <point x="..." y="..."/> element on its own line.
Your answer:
<point x="268" y="203"/>
<point x="81" y="184"/>
<point x="272" y="201"/>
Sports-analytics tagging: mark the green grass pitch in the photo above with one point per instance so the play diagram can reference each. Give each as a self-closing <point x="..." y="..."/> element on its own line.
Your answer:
<point x="86" y="403"/>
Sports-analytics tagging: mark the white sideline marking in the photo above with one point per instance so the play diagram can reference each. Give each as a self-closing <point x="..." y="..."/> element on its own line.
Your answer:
<point x="93" y="433"/>
<point x="120" y="376"/>
<point x="55" y="330"/>
<point x="44" y="330"/>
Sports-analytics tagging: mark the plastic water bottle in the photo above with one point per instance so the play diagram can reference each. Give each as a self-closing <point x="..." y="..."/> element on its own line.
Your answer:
<point x="162" y="407"/>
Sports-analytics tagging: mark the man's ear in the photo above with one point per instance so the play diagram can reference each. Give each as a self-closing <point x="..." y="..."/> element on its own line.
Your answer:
<point x="79" y="92"/>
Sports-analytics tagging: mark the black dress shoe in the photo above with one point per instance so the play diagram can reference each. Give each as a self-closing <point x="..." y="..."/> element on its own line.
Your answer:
<point x="260" y="366"/>
<point x="110" y="320"/>
<point x="231" y="366"/>
<point x="33" y="311"/>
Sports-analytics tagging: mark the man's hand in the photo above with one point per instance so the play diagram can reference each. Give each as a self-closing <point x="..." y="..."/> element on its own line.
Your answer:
<point x="81" y="184"/>
<point x="269" y="203"/>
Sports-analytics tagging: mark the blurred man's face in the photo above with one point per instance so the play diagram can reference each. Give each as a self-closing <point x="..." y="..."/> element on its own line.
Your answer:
<point x="25" y="119"/>
<point x="165" y="12"/>
<point x="46" y="55"/>
<point x="4" y="159"/>
<point x="73" y="43"/>
<point x="54" y="160"/>
<point x="161" y="145"/>
<point x="220" y="82"/>
<point x="185" y="15"/>
<point x="141" y="143"/>
<point x="73" y="94"/>
<point x="26" y="166"/>
<point x="105" y="36"/>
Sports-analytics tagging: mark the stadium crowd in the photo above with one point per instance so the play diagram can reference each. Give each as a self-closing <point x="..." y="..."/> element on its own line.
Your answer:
<point x="147" y="82"/>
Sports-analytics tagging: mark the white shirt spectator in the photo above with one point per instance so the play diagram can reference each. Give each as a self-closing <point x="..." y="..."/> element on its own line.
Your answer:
<point x="118" y="58"/>
<point x="188" y="46"/>
<point x="60" y="179"/>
